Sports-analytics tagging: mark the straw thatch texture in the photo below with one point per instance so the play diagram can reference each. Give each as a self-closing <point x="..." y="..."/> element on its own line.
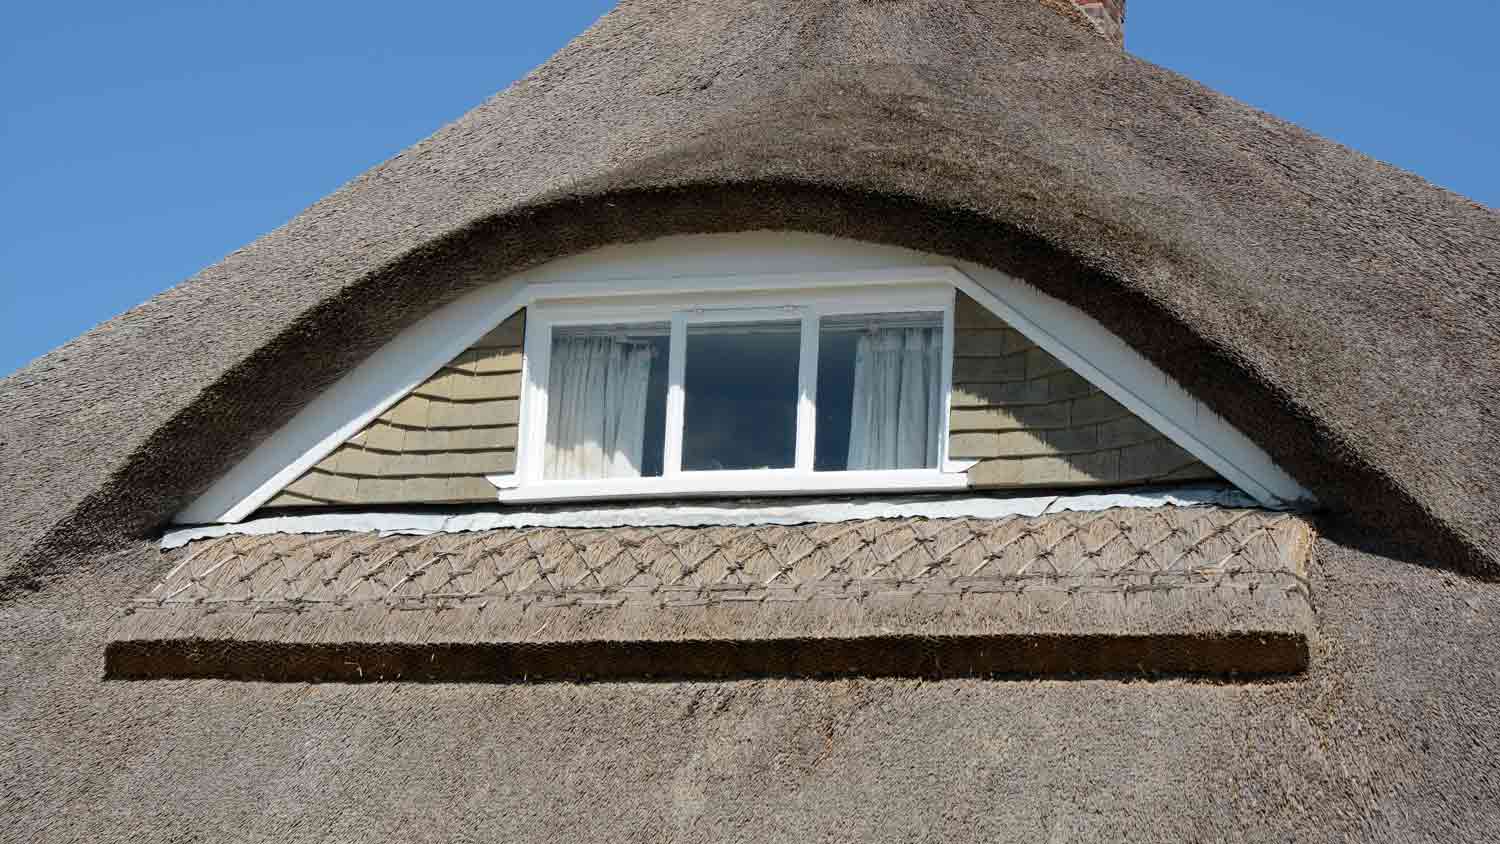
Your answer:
<point x="1390" y="735"/>
<point x="1173" y="589"/>
<point x="1339" y="311"/>
<point x="1114" y="551"/>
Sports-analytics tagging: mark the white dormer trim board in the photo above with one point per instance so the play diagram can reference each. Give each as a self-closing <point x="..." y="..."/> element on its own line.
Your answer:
<point x="777" y="261"/>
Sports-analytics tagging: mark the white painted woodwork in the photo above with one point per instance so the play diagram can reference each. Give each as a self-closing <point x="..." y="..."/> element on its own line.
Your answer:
<point x="772" y="264"/>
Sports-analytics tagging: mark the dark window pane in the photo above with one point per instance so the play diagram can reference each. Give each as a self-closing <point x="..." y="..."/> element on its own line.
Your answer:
<point x="835" y="398"/>
<point x="740" y="403"/>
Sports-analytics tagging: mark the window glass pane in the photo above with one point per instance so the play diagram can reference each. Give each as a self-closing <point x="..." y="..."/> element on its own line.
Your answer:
<point x="879" y="391"/>
<point x="740" y="402"/>
<point x="607" y="401"/>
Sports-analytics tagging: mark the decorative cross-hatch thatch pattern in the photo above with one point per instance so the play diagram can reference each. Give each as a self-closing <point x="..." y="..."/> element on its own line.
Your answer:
<point x="1111" y="551"/>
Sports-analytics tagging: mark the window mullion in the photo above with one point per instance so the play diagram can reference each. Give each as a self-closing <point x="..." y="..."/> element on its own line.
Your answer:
<point x="676" y="372"/>
<point x="532" y="414"/>
<point x="945" y="396"/>
<point x="807" y="413"/>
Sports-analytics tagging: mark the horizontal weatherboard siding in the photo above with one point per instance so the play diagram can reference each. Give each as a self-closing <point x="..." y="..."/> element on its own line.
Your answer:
<point x="1031" y="421"/>
<point x="437" y="444"/>
<point x="1023" y="416"/>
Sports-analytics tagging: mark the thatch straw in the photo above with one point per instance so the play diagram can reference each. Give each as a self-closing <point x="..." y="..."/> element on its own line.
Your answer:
<point x="1337" y="310"/>
<point x="1165" y="586"/>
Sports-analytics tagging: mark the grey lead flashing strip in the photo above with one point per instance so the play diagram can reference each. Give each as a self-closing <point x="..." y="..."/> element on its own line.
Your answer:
<point x="733" y="514"/>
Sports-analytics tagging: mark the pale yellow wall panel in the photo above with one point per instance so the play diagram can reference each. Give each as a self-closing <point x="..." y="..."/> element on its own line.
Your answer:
<point x="980" y="395"/>
<point x="984" y="341"/>
<point x="1031" y="421"/>
<point x="437" y="443"/>
<point x="512" y="332"/>
<point x="1099" y="407"/>
<point x="497" y="361"/>
<point x="410" y="412"/>
<point x="990" y="369"/>
<point x="1027" y="419"/>
<point x="1011" y="417"/>
<point x="384" y="436"/>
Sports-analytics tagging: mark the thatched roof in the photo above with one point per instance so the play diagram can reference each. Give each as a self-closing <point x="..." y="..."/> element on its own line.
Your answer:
<point x="1173" y="589"/>
<point x="1388" y="736"/>
<point x="1340" y="311"/>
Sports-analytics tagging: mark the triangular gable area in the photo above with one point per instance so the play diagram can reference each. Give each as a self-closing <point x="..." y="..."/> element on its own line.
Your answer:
<point x="1026" y="418"/>
<point x="1039" y="396"/>
<point x="437" y="444"/>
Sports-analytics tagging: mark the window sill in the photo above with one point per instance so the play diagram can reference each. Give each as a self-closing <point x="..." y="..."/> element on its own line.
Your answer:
<point x="714" y="484"/>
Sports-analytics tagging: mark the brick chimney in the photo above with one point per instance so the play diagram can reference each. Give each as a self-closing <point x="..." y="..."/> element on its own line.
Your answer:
<point x="1108" y="17"/>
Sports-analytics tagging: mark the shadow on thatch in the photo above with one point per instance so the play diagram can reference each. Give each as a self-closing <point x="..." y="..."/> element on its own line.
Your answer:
<point x="1227" y="656"/>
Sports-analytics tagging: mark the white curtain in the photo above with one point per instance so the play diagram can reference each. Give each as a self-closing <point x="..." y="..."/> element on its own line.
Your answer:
<point x="596" y="408"/>
<point x="895" y="417"/>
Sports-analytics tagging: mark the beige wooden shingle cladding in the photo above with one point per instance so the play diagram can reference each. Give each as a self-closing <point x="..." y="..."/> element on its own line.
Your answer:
<point x="1028" y="419"/>
<point x="437" y="444"/>
<point x="1031" y="421"/>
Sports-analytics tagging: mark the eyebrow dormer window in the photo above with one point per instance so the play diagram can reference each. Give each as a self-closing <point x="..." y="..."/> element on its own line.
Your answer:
<point x="756" y="393"/>
<point x="643" y="380"/>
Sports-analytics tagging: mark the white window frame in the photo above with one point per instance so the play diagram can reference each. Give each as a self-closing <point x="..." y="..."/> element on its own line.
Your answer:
<point x="809" y="307"/>
<point x="766" y="260"/>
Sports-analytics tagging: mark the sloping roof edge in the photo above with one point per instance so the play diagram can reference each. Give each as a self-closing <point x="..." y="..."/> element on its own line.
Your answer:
<point x="152" y="473"/>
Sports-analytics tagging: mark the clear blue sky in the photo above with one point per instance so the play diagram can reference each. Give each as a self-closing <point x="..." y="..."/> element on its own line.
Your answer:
<point x="143" y="141"/>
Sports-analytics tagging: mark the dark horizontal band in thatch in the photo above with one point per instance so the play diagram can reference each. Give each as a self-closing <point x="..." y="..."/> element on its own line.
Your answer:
<point x="1234" y="654"/>
<point x="1198" y="590"/>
